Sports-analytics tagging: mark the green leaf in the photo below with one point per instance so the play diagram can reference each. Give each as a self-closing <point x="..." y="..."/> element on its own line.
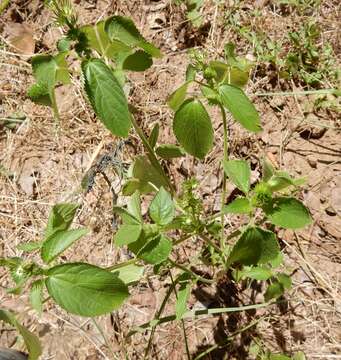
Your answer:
<point x="229" y="75"/>
<point x="279" y="357"/>
<point x="126" y="216"/>
<point x="59" y="241"/>
<point x="277" y="183"/>
<point x="193" y="128"/>
<point x="60" y="218"/>
<point x="288" y="213"/>
<point x="274" y="291"/>
<point x="85" y="289"/>
<point x="139" y="61"/>
<point x="267" y="169"/>
<point x="162" y="208"/>
<point x="190" y="72"/>
<point x="181" y="301"/>
<point x="154" y="135"/>
<point x="36" y="296"/>
<point x="32" y="343"/>
<point x="134" y="206"/>
<point x="177" y="97"/>
<point x="256" y="246"/>
<point x="146" y="173"/>
<point x="123" y="29"/>
<point x="106" y="96"/>
<point x="299" y="356"/>
<point x="48" y="70"/>
<point x="241" y="108"/>
<point x="156" y="250"/>
<point x="238" y="206"/>
<point x="256" y="273"/>
<point x="30" y="246"/>
<point x="129" y="274"/>
<point x="169" y="151"/>
<point x="127" y="234"/>
<point x="239" y="173"/>
<point x="130" y="186"/>
<point x="211" y="95"/>
<point x="285" y="280"/>
<point x="99" y="40"/>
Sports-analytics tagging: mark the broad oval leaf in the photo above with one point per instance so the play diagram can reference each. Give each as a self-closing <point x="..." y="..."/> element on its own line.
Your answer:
<point x="58" y="242"/>
<point x="169" y="151"/>
<point x="123" y="29"/>
<point x="162" y="208"/>
<point x="182" y="298"/>
<point x="32" y="342"/>
<point x="36" y="296"/>
<point x="85" y="289"/>
<point x="156" y="250"/>
<point x="238" y="206"/>
<point x="128" y="273"/>
<point x="154" y="135"/>
<point x="241" y="108"/>
<point x="177" y="97"/>
<point x="239" y="173"/>
<point x="60" y="218"/>
<point x="147" y="174"/>
<point x="127" y="234"/>
<point x="139" y="61"/>
<point x="288" y="213"/>
<point x="106" y="96"/>
<point x="255" y="246"/>
<point x="193" y="128"/>
<point x="98" y="40"/>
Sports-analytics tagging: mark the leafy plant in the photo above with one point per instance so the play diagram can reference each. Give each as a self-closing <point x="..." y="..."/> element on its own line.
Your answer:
<point x="107" y="51"/>
<point x="193" y="11"/>
<point x="299" y="55"/>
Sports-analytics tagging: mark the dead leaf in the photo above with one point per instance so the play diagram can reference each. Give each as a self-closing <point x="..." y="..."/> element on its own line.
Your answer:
<point x="20" y="36"/>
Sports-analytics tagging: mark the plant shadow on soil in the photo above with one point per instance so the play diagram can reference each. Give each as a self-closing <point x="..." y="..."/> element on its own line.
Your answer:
<point x="229" y="295"/>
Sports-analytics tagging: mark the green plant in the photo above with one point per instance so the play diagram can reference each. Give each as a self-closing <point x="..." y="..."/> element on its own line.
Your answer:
<point x="108" y="50"/>
<point x="299" y="55"/>
<point x="193" y="11"/>
<point x="31" y="341"/>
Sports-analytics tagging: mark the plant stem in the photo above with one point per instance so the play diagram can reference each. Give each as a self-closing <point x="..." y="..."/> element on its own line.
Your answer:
<point x="182" y="320"/>
<point x="193" y="314"/>
<point x="223" y="195"/>
<point x="183" y="268"/>
<point x="157" y="316"/>
<point x="151" y="154"/>
<point x="125" y="263"/>
<point x="112" y="353"/>
<point x="210" y="242"/>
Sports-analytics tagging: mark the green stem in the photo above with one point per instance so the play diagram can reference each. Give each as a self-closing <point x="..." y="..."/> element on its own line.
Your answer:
<point x="122" y="264"/>
<point x="151" y="154"/>
<point x="300" y="93"/>
<point x="183" y="268"/>
<point x="210" y="242"/>
<point x="193" y="314"/>
<point x="182" y="321"/>
<point x="157" y="316"/>
<point x="223" y="195"/>
<point x="55" y="108"/>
